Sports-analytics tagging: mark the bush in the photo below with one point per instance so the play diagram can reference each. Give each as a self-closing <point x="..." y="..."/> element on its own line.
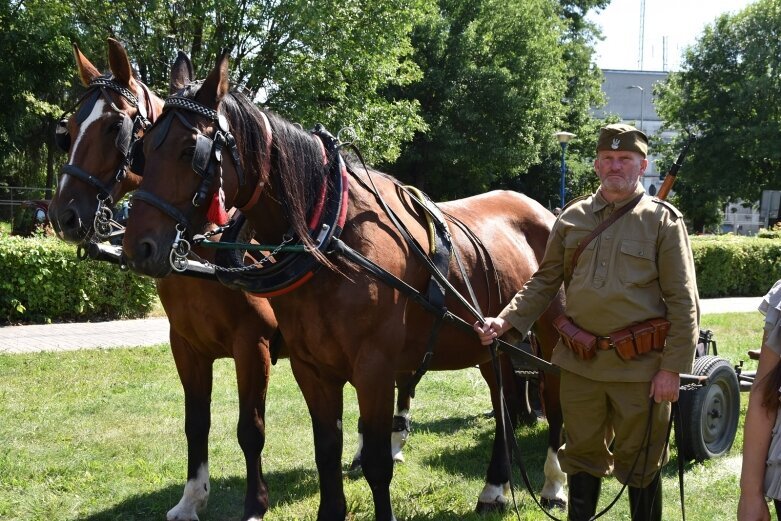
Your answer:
<point x="736" y="266"/>
<point x="41" y="280"/>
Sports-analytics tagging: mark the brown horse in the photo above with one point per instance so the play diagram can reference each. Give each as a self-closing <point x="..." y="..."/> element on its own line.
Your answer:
<point x="343" y="319"/>
<point x="207" y="320"/>
<point x="195" y="343"/>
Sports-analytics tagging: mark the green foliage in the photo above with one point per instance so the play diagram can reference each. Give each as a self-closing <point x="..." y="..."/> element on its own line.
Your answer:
<point x="42" y="280"/>
<point x="36" y="77"/>
<point x="728" y="91"/>
<point x="735" y="266"/>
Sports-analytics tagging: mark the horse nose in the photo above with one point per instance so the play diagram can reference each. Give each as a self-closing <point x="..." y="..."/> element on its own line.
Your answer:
<point x="147" y="251"/>
<point x="67" y="222"/>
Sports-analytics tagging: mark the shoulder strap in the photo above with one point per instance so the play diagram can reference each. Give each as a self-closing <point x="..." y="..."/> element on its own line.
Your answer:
<point x="602" y="226"/>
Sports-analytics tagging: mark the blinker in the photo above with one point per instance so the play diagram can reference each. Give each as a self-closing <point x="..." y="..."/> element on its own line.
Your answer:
<point x="62" y="137"/>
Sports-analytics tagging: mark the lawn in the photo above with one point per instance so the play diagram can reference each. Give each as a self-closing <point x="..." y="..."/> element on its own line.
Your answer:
<point x="97" y="435"/>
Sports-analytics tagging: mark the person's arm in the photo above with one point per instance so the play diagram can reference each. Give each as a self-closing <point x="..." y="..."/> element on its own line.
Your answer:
<point x="756" y="442"/>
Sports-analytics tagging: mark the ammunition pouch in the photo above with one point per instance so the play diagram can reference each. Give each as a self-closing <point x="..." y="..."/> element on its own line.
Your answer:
<point x="578" y="340"/>
<point x="629" y="343"/>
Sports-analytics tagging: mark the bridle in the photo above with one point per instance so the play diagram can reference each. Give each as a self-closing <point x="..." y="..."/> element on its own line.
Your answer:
<point x="127" y="141"/>
<point x="206" y="163"/>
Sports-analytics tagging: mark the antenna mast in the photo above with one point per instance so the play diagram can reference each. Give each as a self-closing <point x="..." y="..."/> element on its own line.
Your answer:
<point x="642" y="34"/>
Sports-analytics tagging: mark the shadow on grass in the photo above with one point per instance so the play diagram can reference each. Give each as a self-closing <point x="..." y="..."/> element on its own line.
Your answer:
<point x="226" y="499"/>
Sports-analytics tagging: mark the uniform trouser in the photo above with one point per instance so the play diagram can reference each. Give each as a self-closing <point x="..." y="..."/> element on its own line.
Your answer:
<point x="605" y="426"/>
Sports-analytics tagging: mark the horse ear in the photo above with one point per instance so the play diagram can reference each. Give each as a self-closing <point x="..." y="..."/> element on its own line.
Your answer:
<point x="87" y="71"/>
<point x="216" y="85"/>
<point x="119" y="63"/>
<point x="181" y="72"/>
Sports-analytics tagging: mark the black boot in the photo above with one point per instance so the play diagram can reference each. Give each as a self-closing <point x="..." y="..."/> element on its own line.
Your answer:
<point x="646" y="503"/>
<point x="583" y="496"/>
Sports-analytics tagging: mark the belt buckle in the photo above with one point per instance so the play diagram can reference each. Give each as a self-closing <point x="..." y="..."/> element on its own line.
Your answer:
<point x="602" y="340"/>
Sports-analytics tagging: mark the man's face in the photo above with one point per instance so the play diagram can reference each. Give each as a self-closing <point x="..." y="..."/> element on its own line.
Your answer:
<point x="619" y="171"/>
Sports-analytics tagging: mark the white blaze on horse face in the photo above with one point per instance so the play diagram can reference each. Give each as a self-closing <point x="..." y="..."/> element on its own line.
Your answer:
<point x="196" y="494"/>
<point x="94" y="116"/>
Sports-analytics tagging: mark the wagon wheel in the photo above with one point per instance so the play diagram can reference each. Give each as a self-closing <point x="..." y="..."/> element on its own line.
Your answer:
<point x="710" y="412"/>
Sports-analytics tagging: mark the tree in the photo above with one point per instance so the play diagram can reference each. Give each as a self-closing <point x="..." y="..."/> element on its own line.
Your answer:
<point x="324" y="62"/>
<point x="313" y="62"/>
<point x="500" y="77"/>
<point x="727" y="92"/>
<point x="36" y="35"/>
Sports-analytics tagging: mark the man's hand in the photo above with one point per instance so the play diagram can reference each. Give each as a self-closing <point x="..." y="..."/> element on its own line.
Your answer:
<point x="665" y="386"/>
<point x="491" y="329"/>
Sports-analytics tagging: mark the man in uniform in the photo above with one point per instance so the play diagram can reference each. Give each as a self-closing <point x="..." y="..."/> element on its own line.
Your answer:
<point x="629" y="330"/>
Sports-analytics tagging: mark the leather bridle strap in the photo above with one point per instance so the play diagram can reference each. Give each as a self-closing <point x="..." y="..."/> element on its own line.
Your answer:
<point x="103" y="189"/>
<point x="168" y="209"/>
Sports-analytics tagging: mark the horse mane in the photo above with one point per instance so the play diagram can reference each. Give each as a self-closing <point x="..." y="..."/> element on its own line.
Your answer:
<point x="297" y="171"/>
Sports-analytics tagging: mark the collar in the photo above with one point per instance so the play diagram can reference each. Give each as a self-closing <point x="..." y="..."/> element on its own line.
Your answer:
<point x="598" y="202"/>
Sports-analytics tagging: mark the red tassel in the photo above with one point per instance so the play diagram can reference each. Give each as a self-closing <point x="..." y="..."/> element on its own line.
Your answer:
<point x="217" y="213"/>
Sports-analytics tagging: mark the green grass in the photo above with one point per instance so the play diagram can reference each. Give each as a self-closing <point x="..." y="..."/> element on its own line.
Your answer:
<point x="97" y="435"/>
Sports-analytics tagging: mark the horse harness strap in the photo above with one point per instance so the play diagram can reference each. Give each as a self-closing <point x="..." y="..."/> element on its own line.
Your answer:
<point x="338" y="246"/>
<point x="128" y="134"/>
<point x="292" y="270"/>
<point x="441" y="252"/>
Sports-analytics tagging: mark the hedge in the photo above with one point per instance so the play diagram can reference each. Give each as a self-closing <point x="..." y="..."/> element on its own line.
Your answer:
<point x="736" y="266"/>
<point x="41" y="280"/>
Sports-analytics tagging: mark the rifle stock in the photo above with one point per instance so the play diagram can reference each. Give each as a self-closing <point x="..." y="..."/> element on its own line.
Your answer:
<point x="669" y="179"/>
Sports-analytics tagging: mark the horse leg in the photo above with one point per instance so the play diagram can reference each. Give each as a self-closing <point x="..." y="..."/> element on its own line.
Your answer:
<point x="195" y="373"/>
<point x="375" y="401"/>
<point x="553" y="491"/>
<point x="253" y="364"/>
<point x="493" y="497"/>
<point x="325" y="402"/>
<point x="401" y="422"/>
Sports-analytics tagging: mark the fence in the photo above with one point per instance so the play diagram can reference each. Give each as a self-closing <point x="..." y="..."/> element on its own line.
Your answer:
<point x="11" y="197"/>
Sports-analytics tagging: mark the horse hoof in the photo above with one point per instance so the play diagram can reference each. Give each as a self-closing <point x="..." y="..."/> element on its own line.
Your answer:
<point x="488" y="508"/>
<point x="551" y="503"/>
<point x="355" y="465"/>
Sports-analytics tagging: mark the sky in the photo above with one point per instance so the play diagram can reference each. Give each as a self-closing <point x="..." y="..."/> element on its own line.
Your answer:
<point x="669" y="24"/>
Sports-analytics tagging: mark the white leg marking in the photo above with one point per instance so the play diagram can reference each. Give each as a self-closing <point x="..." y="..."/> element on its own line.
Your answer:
<point x="495" y="494"/>
<point x="357" y="456"/>
<point x="555" y="479"/>
<point x="399" y="439"/>
<point x="196" y="494"/>
<point x="97" y="111"/>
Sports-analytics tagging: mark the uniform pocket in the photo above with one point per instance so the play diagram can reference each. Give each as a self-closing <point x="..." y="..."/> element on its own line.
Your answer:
<point x="571" y="241"/>
<point x="637" y="262"/>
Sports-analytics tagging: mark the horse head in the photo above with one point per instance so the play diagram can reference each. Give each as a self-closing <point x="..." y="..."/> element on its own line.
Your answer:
<point x="209" y="151"/>
<point x="100" y="136"/>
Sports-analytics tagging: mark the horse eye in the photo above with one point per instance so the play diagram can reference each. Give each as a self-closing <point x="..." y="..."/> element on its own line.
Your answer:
<point x="188" y="152"/>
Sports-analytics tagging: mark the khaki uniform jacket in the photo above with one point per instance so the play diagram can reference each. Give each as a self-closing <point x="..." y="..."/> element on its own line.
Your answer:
<point x="640" y="267"/>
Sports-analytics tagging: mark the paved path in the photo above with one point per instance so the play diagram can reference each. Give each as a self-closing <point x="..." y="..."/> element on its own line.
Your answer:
<point x="150" y="331"/>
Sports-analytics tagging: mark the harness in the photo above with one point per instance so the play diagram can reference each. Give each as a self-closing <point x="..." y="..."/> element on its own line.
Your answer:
<point x="292" y="266"/>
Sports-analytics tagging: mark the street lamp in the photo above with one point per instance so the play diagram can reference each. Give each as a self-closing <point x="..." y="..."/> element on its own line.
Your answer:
<point x="642" y="102"/>
<point x="563" y="138"/>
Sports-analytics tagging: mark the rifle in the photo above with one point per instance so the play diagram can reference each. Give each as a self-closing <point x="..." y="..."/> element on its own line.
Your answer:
<point x="669" y="179"/>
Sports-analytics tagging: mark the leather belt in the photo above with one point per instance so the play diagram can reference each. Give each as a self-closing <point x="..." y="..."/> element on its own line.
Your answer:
<point x="604" y="343"/>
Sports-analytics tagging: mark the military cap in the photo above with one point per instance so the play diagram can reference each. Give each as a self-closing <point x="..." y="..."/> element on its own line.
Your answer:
<point x="619" y="136"/>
